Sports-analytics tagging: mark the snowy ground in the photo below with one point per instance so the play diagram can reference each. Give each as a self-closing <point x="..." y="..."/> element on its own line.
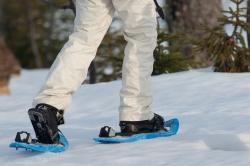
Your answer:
<point x="213" y="108"/>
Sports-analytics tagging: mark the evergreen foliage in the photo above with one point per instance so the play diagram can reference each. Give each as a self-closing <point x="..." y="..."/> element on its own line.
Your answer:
<point x="169" y="59"/>
<point x="229" y="52"/>
<point x="177" y="51"/>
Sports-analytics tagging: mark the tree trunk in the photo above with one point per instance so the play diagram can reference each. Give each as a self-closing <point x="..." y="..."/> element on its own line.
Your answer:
<point x="48" y="44"/>
<point x="248" y="21"/>
<point x="32" y="35"/>
<point x="1" y="19"/>
<point x="188" y="15"/>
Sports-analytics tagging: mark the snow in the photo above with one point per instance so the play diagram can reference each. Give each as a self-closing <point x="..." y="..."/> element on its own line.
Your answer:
<point x="213" y="109"/>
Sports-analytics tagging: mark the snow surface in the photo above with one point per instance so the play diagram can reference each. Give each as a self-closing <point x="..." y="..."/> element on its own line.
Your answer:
<point x="213" y="109"/>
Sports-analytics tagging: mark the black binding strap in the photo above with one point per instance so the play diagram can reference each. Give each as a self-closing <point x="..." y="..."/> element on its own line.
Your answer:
<point x="107" y="131"/>
<point x="23" y="137"/>
<point x="159" y="10"/>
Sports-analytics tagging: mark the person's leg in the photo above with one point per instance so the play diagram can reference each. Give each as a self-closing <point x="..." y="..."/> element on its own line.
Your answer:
<point x="93" y="17"/>
<point x="140" y="31"/>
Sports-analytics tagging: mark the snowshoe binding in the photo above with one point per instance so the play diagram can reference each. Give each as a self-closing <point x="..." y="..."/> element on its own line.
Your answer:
<point x="129" y="128"/>
<point x="45" y="120"/>
<point x="137" y="130"/>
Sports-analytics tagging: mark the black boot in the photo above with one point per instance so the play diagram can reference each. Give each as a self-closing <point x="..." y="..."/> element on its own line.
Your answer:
<point x="147" y="126"/>
<point x="45" y="120"/>
<point x="129" y="128"/>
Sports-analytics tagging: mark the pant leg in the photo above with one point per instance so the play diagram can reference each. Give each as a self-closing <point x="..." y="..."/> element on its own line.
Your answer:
<point x="93" y="17"/>
<point x="140" y="32"/>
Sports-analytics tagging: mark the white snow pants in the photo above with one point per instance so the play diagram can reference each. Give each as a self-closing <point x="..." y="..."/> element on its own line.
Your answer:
<point x="93" y="18"/>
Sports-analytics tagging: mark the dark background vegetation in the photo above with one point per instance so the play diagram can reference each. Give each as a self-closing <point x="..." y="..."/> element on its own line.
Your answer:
<point x="36" y="30"/>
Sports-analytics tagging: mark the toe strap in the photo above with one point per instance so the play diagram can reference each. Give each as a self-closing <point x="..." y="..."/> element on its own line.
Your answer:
<point x="23" y="137"/>
<point x="107" y="131"/>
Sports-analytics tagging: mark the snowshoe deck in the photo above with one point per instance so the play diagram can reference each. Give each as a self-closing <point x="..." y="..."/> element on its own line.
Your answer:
<point x="172" y="127"/>
<point x="38" y="147"/>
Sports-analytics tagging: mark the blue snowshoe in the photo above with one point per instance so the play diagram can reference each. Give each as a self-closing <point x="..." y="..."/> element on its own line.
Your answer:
<point x="24" y="141"/>
<point x="45" y="120"/>
<point x="132" y="131"/>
